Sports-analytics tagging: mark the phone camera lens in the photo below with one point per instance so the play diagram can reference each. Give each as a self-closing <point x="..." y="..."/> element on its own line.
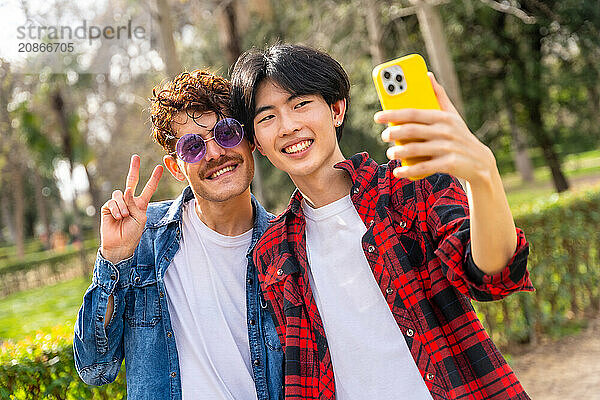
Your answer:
<point x="401" y="87"/>
<point x="391" y="88"/>
<point x="399" y="78"/>
<point x="387" y="75"/>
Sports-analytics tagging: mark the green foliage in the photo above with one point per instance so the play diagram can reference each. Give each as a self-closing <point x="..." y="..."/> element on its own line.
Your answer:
<point x="564" y="263"/>
<point x="42" y="367"/>
<point x="34" y="260"/>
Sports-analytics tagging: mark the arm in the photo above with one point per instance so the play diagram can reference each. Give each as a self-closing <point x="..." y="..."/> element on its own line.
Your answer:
<point x="453" y="149"/>
<point x="98" y="342"/>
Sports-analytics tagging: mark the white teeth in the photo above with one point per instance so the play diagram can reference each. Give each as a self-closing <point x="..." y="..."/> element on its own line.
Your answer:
<point x="222" y="171"/>
<point x="297" y="147"/>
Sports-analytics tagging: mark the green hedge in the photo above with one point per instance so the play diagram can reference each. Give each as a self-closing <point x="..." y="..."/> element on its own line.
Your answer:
<point x="42" y="367"/>
<point x="564" y="263"/>
<point x="33" y="260"/>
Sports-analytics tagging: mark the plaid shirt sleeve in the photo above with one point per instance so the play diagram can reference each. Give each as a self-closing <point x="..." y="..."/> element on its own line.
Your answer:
<point x="444" y="212"/>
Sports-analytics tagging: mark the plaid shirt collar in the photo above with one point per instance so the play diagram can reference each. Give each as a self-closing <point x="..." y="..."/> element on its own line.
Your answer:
<point x="361" y="169"/>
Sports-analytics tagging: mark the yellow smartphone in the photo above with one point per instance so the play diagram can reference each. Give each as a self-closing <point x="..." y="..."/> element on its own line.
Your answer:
<point x="404" y="83"/>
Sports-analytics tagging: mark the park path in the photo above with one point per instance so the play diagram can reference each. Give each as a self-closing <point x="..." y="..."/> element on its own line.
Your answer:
<point x="566" y="369"/>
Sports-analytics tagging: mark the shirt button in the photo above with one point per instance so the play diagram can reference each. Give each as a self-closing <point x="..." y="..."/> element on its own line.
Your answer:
<point x="173" y="374"/>
<point x="410" y="332"/>
<point x="169" y="334"/>
<point x="100" y="317"/>
<point x="252" y="322"/>
<point x="249" y="281"/>
<point x="113" y="277"/>
<point x="371" y="222"/>
<point x="256" y="362"/>
<point x="371" y="249"/>
<point x="355" y="190"/>
<point x="430" y="376"/>
<point x="389" y="290"/>
<point x="402" y="224"/>
<point x="279" y="272"/>
<point x="161" y="294"/>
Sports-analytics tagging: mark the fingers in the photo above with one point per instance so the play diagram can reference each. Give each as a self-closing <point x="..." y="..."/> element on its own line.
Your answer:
<point x="111" y="208"/>
<point x="117" y="198"/>
<point x="442" y="96"/>
<point x="151" y="185"/>
<point x="133" y="175"/>
<point x="424" y="168"/>
<point x="406" y="115"/>
<point x="418" y="149"/>
<point x="415" y="132"/>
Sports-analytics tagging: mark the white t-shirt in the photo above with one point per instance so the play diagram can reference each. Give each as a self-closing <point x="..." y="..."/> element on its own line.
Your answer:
<point x="370" y="357"/>
<point x="206" y="294"/>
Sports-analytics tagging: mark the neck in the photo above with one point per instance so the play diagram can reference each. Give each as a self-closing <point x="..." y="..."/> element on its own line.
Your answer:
<point x="325" y="185"/>
<point x="231" y="217"/>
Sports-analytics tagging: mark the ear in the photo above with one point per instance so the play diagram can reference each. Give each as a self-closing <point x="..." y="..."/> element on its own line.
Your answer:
<point x="258" y="146"/>
<point x="338" y="111"/>
<point x="173" y="167"/>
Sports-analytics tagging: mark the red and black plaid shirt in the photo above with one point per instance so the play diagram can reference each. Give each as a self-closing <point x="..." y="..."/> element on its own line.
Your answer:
<point x="418" y="246"/>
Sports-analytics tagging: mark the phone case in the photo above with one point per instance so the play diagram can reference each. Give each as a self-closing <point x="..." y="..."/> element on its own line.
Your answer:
<point x="403" y="83"/>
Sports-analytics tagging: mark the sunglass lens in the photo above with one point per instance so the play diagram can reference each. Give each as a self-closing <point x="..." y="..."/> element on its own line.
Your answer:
<point x="228" y="132"/>
<point x="190" y="148"/>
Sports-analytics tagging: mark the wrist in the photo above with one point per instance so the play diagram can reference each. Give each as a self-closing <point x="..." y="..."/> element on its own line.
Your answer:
<point x="114" y="256"/>
<point x="488" y="177"/>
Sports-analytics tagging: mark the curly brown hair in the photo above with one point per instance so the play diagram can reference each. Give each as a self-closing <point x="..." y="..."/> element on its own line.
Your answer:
<point x="191" y="92"/>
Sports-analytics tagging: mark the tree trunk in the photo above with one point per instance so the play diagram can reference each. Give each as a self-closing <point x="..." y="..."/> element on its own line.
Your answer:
<point x="96" y="199"/>
<point x="42" y="209"/>
<point x="534" y="105"/>
<point x="18" y="208"/>
<point x="373" y="22"/>
<point x="233" y="48"/>
<point x="58" y="105"/>
<point x="519" y="147"/>
<point x="5" y="211"/>
<point x="169" y="52"/>
<point x="433" y="34"/>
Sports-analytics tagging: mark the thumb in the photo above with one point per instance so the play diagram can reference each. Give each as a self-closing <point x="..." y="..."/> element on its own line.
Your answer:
<point x="442" y="96"/>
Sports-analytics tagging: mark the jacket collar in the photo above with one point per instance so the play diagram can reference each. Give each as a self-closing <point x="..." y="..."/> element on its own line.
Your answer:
<point x="175" y="211"/>
<point x="175" y="214"/>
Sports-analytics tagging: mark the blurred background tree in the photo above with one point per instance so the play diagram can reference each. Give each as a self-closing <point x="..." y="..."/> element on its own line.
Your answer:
<point x="524" y="75"/>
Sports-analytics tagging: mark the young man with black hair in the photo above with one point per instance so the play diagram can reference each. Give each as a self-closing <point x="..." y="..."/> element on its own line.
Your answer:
<point x="370" y="274"/>
<point x="174" y="290"/>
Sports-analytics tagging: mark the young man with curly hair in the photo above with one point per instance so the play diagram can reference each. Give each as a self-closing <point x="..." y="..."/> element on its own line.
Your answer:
<point x="370" y="274"/>
<point x="175" y="291"/>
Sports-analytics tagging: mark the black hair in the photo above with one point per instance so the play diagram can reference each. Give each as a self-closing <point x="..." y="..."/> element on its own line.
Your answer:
<point x="297" y="69"/>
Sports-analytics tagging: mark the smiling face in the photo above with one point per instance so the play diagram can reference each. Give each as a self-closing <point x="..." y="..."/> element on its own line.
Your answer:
<point x="222" y="174"/>
<point x="297" y="133"/>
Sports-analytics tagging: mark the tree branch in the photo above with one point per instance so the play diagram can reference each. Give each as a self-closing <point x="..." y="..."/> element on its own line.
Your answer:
<point x="507" y="8"/>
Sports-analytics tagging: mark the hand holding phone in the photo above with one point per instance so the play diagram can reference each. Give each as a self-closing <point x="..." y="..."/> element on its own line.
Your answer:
<point x="404" y="83"/>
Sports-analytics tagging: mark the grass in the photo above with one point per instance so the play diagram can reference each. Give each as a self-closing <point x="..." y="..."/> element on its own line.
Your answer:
<point x="21" y="314"/>
<point x="575" y="167"/>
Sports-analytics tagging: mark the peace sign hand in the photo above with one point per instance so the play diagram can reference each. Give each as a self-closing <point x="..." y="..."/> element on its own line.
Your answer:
<point x="123" y="217"/>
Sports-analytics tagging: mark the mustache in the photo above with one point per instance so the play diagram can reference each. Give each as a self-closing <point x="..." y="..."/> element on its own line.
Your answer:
<point x="215" y="164"/>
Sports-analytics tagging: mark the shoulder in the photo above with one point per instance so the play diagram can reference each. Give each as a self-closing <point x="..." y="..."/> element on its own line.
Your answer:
<point x="157" y="211"/>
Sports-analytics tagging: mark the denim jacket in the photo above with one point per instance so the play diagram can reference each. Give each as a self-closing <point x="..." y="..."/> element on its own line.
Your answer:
<point x="140" y="328"/>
